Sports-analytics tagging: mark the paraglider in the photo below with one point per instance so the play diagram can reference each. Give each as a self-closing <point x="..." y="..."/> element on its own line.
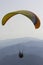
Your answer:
<point x="35" y="20"/>
<point x="26" y="13"/>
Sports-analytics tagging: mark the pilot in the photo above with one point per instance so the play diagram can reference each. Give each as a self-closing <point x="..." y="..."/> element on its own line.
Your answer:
<point x="21" y="54"/>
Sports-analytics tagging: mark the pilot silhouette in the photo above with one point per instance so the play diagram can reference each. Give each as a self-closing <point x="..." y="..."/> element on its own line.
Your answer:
<point x="21" y="55"/>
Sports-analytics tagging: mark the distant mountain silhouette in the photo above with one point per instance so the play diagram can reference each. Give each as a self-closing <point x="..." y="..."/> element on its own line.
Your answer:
<point x="32" y="41"/>
<point x="32" y="50"/>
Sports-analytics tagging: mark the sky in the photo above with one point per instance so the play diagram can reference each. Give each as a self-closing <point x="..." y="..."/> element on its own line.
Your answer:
<point x="20" y="26"/>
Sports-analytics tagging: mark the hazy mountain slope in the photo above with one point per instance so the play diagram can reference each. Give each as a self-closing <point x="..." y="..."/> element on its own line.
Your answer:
<point x="27" y="60"/>
<point x="32" y="49"/>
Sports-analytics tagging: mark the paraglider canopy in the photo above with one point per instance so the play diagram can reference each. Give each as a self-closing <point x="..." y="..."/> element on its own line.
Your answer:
<point x="26" y="13"/>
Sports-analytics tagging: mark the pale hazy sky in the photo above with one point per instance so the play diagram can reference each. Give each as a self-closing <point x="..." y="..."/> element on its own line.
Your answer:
<point x="20" y="26"/>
